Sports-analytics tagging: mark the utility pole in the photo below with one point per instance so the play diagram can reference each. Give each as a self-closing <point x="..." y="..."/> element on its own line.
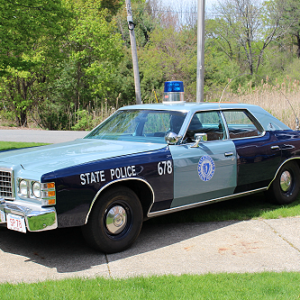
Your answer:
<point x="136" y="72"/>
<point x="200" y="50"/>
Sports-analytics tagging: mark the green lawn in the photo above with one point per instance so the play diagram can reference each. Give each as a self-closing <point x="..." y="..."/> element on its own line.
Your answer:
<point x="17" y="145"/>
<point x="251" y="207"/>
<point x="211" y="286"/>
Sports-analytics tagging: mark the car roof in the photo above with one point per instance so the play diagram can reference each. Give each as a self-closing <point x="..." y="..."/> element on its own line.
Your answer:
<point x="264" y="117"/>
<point x="192" y="106"/>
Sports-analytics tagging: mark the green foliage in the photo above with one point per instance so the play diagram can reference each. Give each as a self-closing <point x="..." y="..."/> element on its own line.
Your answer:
<point x="23" y="23"/>
<point x="85" y="120"/>
<point x="95" y="51"/>
<point x="29" y="36"/>
<point x="169" y="55"/>
<point x="291" y="21"/>
<point x="219" y="68"/>
<point x="54" y="116"/>
<point x="144" y="26"/>
<point x="62" y="58"/>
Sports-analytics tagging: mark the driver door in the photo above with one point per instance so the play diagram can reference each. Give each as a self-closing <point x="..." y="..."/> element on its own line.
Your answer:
<point x="209" y="171"/>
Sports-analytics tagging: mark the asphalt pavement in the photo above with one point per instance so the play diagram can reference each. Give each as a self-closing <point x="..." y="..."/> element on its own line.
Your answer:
<point x="40" y="136"/>
<point x="190" y="248"/>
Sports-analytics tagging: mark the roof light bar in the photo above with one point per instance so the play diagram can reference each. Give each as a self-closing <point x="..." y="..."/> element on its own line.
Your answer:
<point x="174" y="92"/>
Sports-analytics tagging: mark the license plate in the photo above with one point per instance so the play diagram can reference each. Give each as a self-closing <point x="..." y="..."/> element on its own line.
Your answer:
<point x="16" y="223"/>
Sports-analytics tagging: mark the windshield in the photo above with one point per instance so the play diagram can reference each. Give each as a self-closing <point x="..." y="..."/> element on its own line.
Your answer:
<point x="139" y="126"/>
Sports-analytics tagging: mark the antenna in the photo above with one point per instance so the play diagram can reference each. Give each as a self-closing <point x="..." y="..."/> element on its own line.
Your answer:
<point x="229" y="81"/>
<point x="297" y="120"/>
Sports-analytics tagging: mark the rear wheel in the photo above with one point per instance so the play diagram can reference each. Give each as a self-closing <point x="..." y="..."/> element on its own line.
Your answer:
<point x="285" y="188"/>
<point x="115" y="221"/>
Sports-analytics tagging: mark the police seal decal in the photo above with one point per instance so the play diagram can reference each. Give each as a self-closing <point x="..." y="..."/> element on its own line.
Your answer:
<point x="206" y="168"/>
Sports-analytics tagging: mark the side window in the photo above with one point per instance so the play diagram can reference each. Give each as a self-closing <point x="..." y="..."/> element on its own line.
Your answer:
<point x="241" y="124"/>
<point x="209" y="122"/>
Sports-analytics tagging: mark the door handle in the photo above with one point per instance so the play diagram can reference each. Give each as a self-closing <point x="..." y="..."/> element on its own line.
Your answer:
<point x="228" y="154"/>
<point x="275" y="148"/>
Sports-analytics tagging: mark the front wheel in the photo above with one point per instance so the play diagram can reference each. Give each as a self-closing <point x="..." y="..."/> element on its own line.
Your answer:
<point x="285" y="188"/>
<point x="115" y="221"/>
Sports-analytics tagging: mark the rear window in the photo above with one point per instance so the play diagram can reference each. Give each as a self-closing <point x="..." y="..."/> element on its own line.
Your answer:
<point x="242" y="124"/>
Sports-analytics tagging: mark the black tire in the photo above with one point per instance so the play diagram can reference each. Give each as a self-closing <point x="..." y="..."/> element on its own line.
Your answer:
<point x="285" y="188"/>
<point x="115" y="221"/>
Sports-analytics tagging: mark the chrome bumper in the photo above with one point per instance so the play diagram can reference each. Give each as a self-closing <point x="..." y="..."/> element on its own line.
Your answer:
<point x="36" y="217"/>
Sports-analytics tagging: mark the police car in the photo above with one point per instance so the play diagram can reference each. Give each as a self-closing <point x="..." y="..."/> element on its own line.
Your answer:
<point x="146" y="161"/>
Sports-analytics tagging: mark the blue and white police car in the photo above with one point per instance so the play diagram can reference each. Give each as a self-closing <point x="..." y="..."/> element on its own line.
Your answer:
<point x="146" y="161"/>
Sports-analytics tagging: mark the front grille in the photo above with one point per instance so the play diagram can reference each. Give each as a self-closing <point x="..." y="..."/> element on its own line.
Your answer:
<point x="6" y="190"/>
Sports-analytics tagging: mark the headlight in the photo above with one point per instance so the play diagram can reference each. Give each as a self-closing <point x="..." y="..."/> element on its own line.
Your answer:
<point x="45" y="193"/>
<point x="36" y="189"/>
<point x="23" y="188"/>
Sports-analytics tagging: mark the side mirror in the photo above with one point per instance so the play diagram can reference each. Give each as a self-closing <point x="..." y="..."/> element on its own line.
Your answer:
<point x="199" y="137"/>
<point x="172" y="138"/>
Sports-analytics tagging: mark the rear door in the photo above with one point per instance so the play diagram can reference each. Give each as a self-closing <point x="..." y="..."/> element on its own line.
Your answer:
<point x="258" y="152"/>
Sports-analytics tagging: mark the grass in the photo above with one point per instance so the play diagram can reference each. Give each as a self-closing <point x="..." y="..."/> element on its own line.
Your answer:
<point x="281" y="100"/>
<point x="211" y="286"/>
<point x="251" y="207"/>
<point x="17" y="145"/>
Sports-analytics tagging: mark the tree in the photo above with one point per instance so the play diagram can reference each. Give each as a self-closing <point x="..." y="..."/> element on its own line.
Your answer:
<point x="145" y="24"/>
<point x="61" y="68"/>
<point x="252" y="25"/>
<point x="24" y="22"/>
<point x="29" y="33"/>
<point x="170" y="55"/>
<point x="93" y="51"/>
<point x="291" y="20"/>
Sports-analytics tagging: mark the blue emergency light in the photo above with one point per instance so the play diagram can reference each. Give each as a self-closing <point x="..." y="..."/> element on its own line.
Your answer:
<point x="174" y="92"/>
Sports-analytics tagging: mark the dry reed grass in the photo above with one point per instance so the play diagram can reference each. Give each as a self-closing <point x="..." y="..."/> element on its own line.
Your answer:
<point x="281" y="100"/>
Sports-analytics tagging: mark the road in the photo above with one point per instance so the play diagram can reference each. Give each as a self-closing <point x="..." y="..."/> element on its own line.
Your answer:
<point x="40" y="136"/>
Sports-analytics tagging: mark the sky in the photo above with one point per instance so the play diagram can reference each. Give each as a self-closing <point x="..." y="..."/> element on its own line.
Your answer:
<point x="175" y="4"/>
<point x="208" y="3"/>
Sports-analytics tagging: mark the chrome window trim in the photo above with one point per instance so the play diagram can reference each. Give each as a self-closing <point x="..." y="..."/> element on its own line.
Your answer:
<point x="204" y="111"/>
<point x="221" y="110"/>
<point x="225" y="124"/>
<point x="250" y="137"/>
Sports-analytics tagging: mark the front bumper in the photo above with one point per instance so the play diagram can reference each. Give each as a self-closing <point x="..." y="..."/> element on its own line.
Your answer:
<point x="36" y="218"/>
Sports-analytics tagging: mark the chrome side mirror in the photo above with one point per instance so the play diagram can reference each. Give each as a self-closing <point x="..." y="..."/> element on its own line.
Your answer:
<point x="172" y="138"/>
<point x="199" y="137"/>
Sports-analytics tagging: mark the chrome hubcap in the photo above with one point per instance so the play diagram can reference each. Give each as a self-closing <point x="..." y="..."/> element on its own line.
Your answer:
<point x="285" y="181"/>
<point x="116" y="219"/>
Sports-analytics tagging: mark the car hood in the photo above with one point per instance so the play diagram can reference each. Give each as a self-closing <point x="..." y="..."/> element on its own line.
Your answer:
<point x="49" y="158"/>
